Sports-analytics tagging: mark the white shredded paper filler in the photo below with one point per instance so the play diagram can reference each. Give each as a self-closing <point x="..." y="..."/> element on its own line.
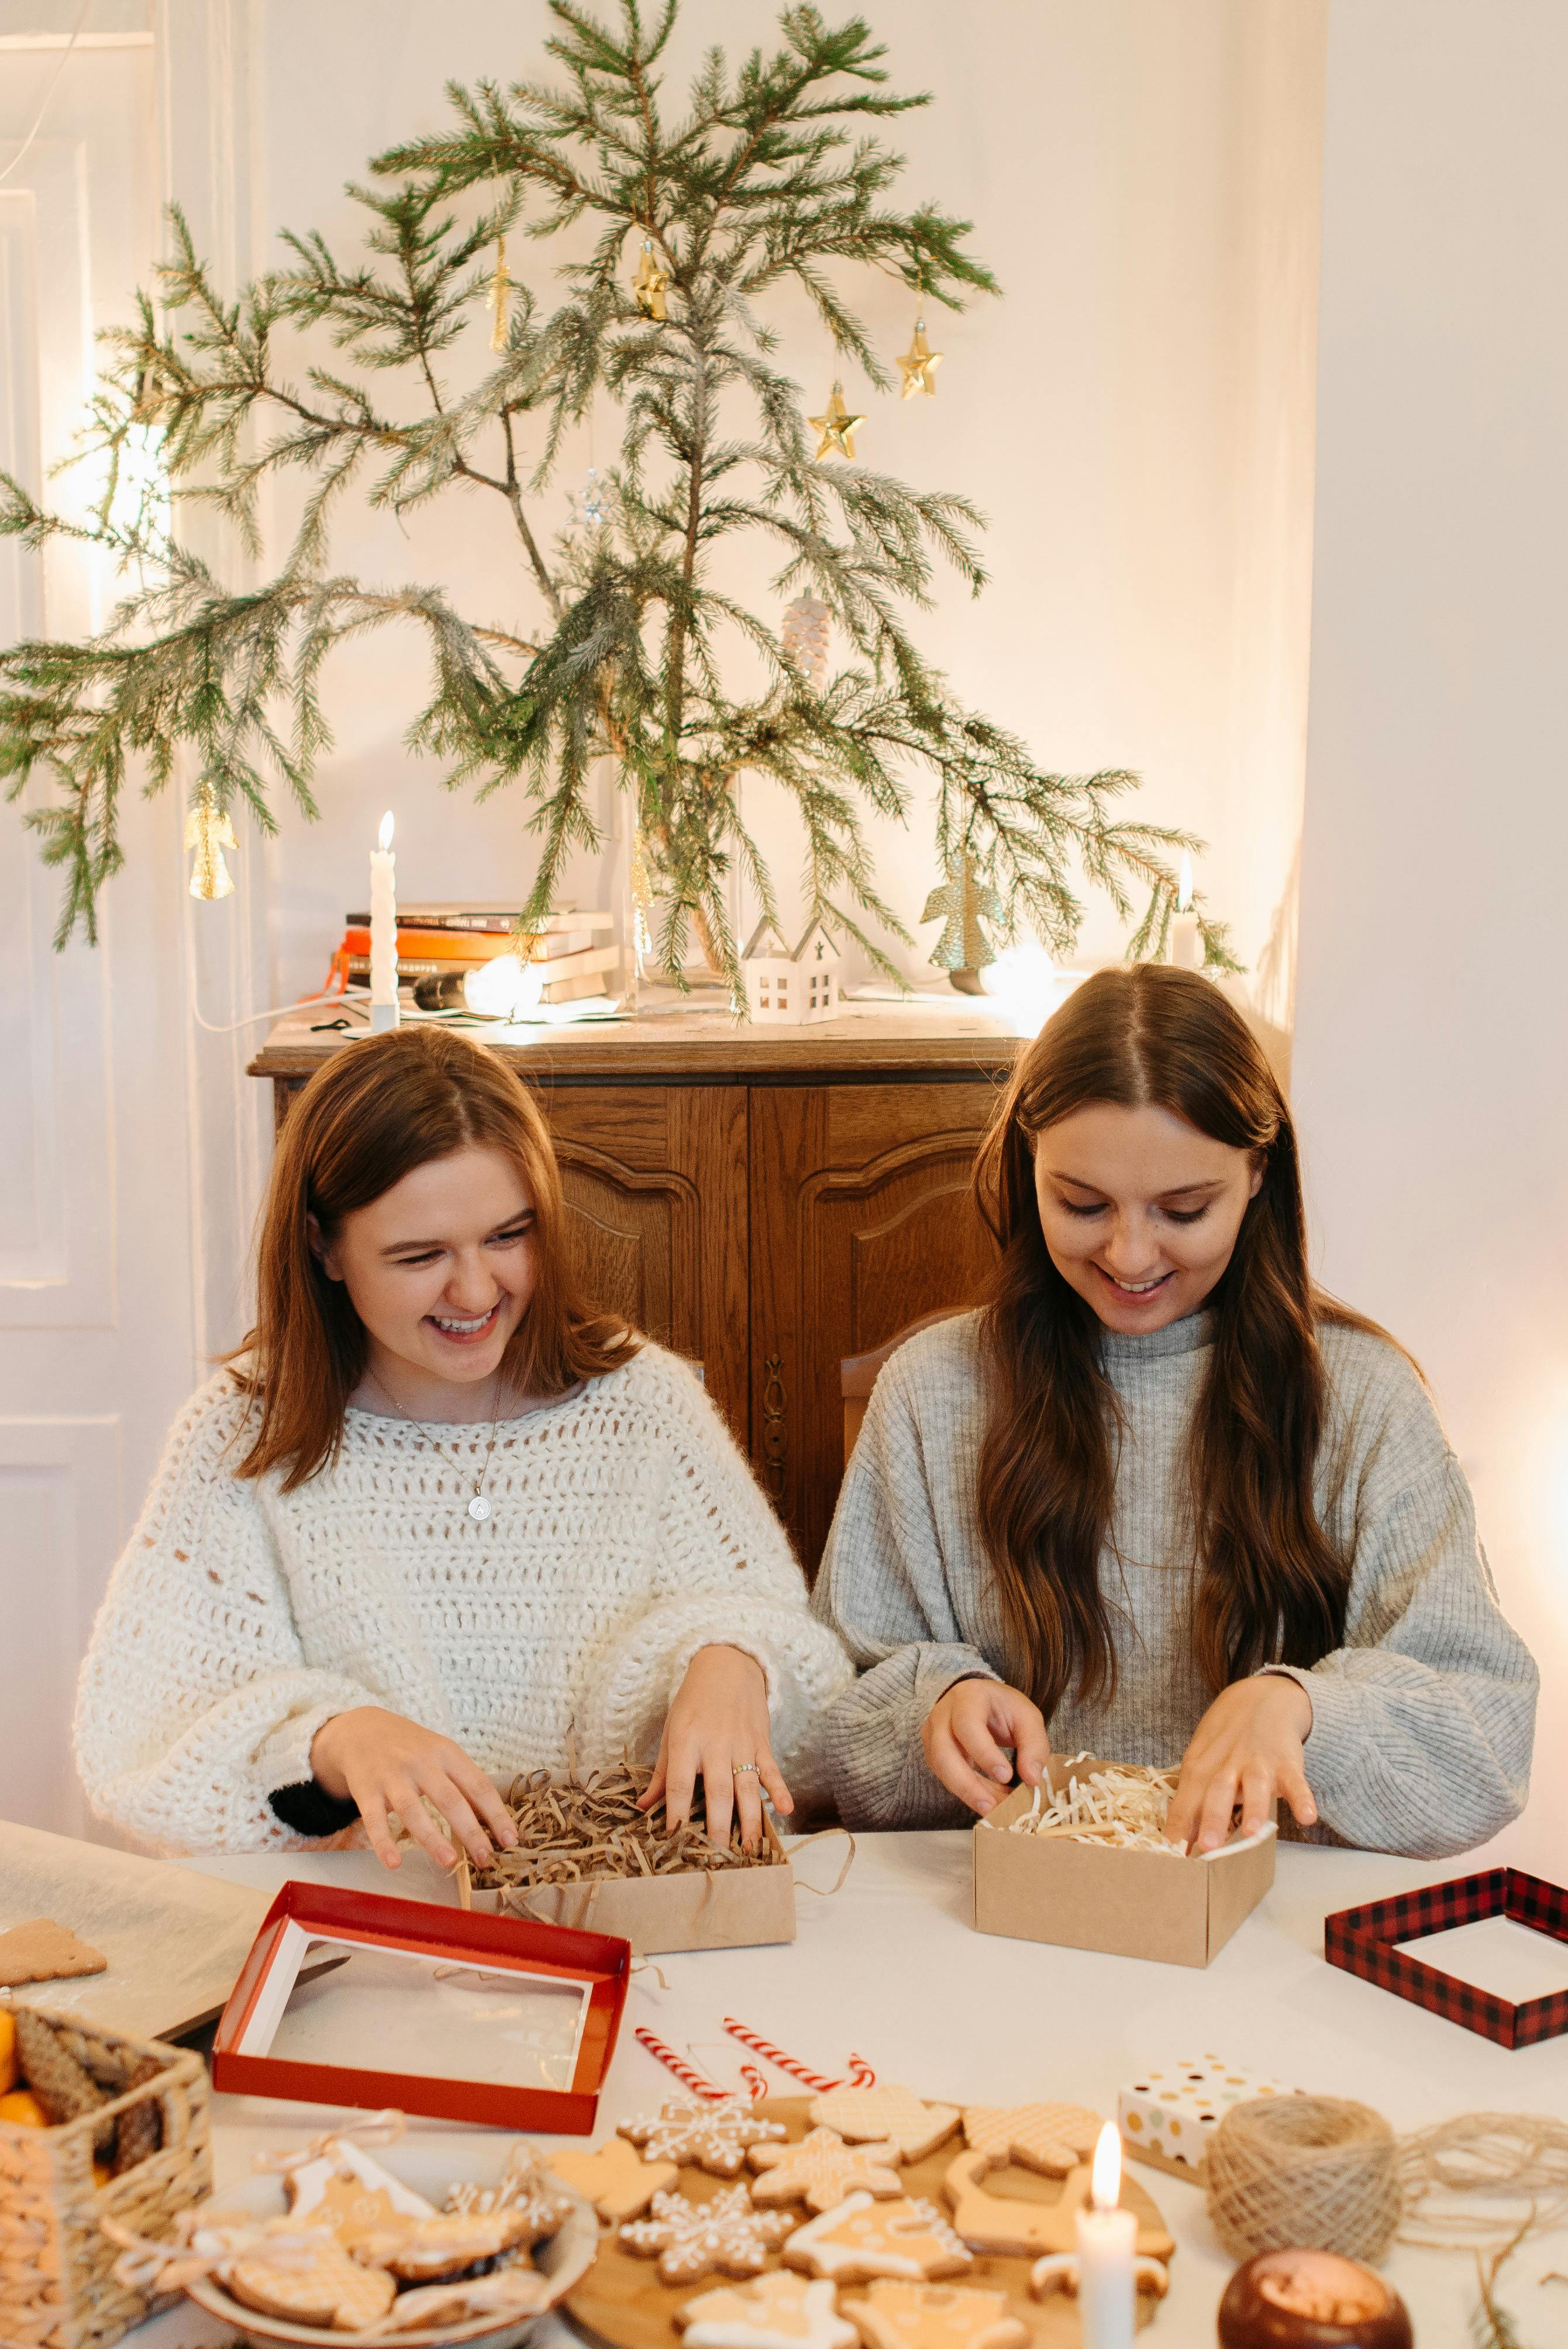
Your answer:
<point x="1122" y="1805"/>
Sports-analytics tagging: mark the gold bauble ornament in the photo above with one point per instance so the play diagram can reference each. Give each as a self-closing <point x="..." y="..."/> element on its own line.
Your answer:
<point x="498" y="295"/>
<point x="207" y="831"/>
<point x="838" y="427"/>
<point x="920" y="363"/>
<point x="649" y="285"/>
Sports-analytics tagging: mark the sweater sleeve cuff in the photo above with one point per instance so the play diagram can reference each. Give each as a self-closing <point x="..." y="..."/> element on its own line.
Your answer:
<point x="309" y="1810"/>
<point x="938" y="1668"/>
<point x="1328" y="1754"/>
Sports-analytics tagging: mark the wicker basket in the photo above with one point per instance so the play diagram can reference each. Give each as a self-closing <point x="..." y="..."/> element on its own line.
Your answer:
<point x="56" y="2286"/>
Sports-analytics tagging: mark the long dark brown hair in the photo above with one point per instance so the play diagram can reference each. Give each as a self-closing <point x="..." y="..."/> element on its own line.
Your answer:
<point x="377" y="1110"/>
<point x="1271" y="1587"/>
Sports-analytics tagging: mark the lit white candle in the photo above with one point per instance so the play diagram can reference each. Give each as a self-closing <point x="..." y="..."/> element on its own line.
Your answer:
<point x="384" y="929"/>
<point x="1186" y="943"/>
<point x="1107" y="2250"/>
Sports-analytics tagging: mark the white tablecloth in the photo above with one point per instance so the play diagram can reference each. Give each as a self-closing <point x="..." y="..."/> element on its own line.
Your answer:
<point x="893" y="1968"/>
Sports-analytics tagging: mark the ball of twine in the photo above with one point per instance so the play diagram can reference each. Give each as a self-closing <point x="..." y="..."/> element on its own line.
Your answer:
<point x="1315" y="2170"/>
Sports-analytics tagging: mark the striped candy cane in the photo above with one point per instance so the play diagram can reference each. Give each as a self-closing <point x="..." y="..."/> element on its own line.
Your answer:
<point x="686" y="2074"/>
<point x="859" y="2075"/>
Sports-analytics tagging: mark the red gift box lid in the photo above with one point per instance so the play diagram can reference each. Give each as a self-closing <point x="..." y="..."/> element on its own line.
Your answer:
<point x="599" y="1962"/>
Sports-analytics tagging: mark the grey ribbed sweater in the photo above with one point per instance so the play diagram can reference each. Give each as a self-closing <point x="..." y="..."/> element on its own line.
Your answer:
<point x="1422" y="1722"/>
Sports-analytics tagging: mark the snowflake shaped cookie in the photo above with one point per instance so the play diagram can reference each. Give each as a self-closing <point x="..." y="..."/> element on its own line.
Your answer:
<point x="863" y="2238"/>
<point x="714" y="2137"/>
<point x="916" y="2128"/>
<point x="778" y="2311"/>
<point x="1051" y="2138"/>
<point x="821" y="2169"/>
<point x="724" y="2235"/>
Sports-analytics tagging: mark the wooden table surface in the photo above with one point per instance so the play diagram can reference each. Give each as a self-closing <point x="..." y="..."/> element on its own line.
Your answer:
<point x="893" y="1970"/>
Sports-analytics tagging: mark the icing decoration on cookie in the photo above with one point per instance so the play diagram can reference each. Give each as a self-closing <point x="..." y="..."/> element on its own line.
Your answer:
<point x="431" y="2250"/>
<point x="714" y="2137"/>
<point x="916" y="2128"/>
<point x="778" y="2311"/>
<point x="1059" y="2273"/>
<point x="821" y="2169"/>
<point x="895" y="2315"/>
<point x="1050" y="2138"/>
<point x="1168" y="2117"/>
<point x="615" y="2177"/>
<point x="863" y="2238"/>
<point x="1025" y="2230"/>
<point x="511" y="2292"/>
<point x="723" y="2236"/>
<point x="309" y="2279"/>
<point x="344" y="2189"/>
<point x="523" y="2190"/>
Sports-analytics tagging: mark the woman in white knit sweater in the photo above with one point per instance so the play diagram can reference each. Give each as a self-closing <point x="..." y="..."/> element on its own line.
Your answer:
<point x="437" y="1521"/>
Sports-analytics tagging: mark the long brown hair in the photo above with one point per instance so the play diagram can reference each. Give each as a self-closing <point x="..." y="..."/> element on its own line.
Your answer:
<point x="375" y="1112"/>
<point x="1271" y="1588"/>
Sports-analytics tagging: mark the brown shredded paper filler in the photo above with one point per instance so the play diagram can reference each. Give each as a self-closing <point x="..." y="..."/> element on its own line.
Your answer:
<point x="574" y="1828"/>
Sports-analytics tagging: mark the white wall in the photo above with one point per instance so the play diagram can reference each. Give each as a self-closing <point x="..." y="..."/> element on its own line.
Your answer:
<point x="1431" y="1025"/>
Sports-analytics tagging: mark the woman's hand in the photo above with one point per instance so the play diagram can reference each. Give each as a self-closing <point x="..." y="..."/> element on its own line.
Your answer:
<point x="964" y="1735"/>
<point x="718" y="1719"/>
<point x="387" y="1764"/>
<point x="1247" y="1749"/>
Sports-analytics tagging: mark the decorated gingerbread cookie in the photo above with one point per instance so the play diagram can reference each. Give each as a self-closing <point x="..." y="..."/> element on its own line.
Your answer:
<point x="714" y="2137"/>
<point x="344" y="2190"/>
<point x="524" y="2191"/>
<point x="863" y="2238"/>
<point x="896" y="2114"/>
<point x="1025" y="2230"/>
<point x="821" y="2169"/>
<point x="778" y="2311"/>
<point x="895" y="2315"/>
<point x="1050" y="2138"/>
<point x="615" y="2177"/>
<point x="433" y="2250"/>
<point x="509" y="2292"/>
<point x="724" y="2235"/>
<point x="307" y="2278"/>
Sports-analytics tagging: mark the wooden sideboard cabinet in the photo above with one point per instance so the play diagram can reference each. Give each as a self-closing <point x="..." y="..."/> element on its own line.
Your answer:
<point x="766" y="1202"/>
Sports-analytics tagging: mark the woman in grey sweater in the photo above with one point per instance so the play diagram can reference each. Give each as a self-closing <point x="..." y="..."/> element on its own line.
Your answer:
<point x="1161" y="1499"/>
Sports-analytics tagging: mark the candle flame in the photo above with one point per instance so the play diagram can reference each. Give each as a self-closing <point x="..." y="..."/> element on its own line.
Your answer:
<point x="1104" y="2178"/>
<point x="1183" y="886"/>
<point x="384" y="837"/>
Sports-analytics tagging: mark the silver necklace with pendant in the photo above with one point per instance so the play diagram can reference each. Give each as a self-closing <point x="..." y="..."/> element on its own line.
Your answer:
<point x="479" y="1506"/>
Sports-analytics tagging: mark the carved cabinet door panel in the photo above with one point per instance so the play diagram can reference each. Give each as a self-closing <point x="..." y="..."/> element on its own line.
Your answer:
<point x="654" y="1179"/>
<point x="861" y="1222"/>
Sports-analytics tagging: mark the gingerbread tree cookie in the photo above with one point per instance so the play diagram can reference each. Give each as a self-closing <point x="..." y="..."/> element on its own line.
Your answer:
<point x="1051" y="2138"/>
<point x="821" y="2169"/>
<point x="724" y="2235"/>
<point x="1025" y="2230"/>
<point x="895" y="2315"/>
<point x="897" y="2114"/>
<point x="863" y="2238"/>
<point x="41" y="1950"/>
<point x="615" y="2177"/>
<point x="778" y="2311"/>
<point x="524" y="2191"/>
<point x="714" y="2137"/>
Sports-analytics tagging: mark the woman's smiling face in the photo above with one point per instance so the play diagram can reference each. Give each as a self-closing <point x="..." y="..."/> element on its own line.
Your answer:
<point x="1140" y="1210"/>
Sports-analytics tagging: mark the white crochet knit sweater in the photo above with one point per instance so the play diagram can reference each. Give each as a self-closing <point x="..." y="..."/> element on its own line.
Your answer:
<point x="627" y="1532"/>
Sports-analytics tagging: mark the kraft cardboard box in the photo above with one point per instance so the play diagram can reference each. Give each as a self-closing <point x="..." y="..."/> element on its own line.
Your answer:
<point x="1129" y="1904"/>
<point x="692" y="1908"/>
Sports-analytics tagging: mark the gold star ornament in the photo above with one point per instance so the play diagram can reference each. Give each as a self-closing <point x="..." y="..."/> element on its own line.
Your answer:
<point x="649" y="285"/>
<point x="838" y="427"/>
<point x="920" y="363"/>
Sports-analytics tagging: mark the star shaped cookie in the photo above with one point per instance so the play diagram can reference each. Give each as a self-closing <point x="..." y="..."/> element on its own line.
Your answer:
<point x="897" y="2114"/>
<point x="1050" y="2138"/>
<point x="863" y="2238"/>
<point x="821" y="2169"/>
<point x="723" y="2236"/>
<point x="778" y="2311"/>
<point x="714" y="2137"/>
<point x="896" y="2315"/>
<point x="615" y="2177"/>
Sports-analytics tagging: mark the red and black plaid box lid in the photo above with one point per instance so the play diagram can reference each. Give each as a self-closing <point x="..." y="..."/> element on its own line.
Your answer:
<point x="1363" y="1941"/>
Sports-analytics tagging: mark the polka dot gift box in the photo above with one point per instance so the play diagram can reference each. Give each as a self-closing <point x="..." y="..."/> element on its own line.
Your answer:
<point x="1168" y="2117"/>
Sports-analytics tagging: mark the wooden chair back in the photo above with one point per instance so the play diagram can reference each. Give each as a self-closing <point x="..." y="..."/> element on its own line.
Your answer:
<point x="858" y="1372"/>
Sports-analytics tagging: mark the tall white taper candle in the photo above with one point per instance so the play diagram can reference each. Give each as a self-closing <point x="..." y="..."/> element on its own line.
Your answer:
<point x="384" y="930"/>
<point x="1107" y="2250"/>
<point x="1186" y="943"/>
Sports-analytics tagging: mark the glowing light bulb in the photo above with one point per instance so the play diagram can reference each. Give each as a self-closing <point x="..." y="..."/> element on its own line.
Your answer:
<point x="506" y="988"/>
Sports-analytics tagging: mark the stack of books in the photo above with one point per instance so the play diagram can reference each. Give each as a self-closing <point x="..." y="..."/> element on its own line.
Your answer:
<point x="570" y="949"/>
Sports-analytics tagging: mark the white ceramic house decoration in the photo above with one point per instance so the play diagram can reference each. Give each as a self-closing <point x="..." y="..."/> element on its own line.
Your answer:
<point x="785" y="990"/>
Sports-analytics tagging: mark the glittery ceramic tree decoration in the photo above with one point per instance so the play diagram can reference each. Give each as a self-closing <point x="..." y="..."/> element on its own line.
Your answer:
<point x="962" y="904"/>
<point x="804" y="638"/>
